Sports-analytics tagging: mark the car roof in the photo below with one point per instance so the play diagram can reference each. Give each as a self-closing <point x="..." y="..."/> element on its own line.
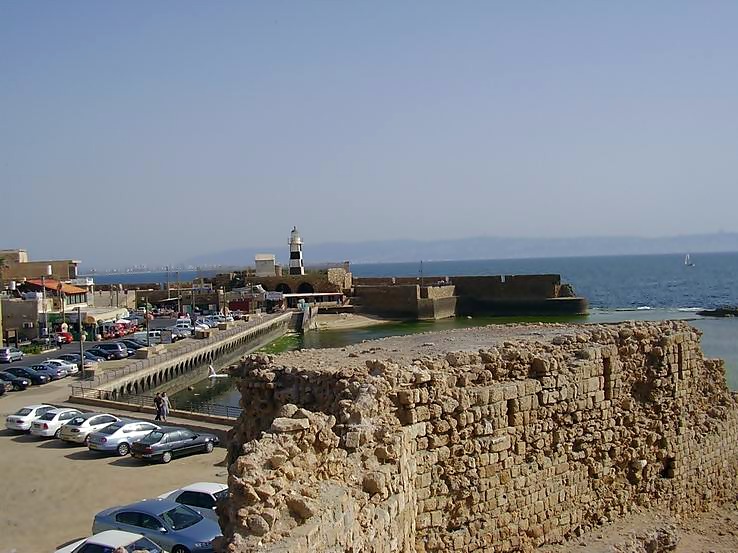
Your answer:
<point x="206" y="487"/>
<point x="150" y="506"/>
<point x="59" y="410"/>
<point x="114" y="538"/>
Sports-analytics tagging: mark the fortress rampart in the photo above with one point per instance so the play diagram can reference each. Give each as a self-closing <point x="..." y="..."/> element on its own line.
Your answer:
<point x="504" y="446"/>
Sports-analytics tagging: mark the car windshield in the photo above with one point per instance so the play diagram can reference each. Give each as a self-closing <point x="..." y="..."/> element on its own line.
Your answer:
<point x="222" y="494"/>
<point x="76" y="421"/>
<point x="144" y="544"/>
<point x="152" y="437"/>
<point x="48" y="416"/>
<point x="181" y="517"/>
<point x="23" y="412"/>
<point x="111" y="429"/>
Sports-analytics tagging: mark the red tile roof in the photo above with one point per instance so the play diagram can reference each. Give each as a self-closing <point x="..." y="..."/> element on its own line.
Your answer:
<point x="51" y="284"/>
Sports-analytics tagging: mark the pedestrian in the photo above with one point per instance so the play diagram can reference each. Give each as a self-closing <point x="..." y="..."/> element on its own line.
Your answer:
<point x="159" y="404"/>
<point x="165" y="406"/>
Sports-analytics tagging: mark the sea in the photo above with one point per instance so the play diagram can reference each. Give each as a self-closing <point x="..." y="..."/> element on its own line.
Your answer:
<point x="619" y="288"/>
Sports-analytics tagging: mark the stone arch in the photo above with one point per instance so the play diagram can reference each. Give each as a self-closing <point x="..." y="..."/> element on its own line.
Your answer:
<point x="283" y="287"/>
<point x="305" y="288"/>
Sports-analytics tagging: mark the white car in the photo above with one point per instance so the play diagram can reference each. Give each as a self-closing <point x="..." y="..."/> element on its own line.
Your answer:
<point x="50" y="423"/>
<point x="79" y="428"/>
<point x="110" y="540"/>
<point x="203" y="496"/>
<point x="71" y="368"/>
<point x="23" y="418"/>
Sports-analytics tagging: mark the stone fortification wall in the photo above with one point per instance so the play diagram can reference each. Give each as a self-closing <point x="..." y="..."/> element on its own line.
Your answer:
<point x="501" y="448"/>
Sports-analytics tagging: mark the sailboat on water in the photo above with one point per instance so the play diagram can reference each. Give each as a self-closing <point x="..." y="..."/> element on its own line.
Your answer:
<point x="688" y="261"/>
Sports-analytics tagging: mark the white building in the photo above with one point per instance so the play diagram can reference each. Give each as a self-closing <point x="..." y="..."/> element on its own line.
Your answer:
<point x="265" y="265"/>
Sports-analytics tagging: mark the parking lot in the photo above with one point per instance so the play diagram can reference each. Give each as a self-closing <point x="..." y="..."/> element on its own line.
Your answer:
<point x="52" y="490"/>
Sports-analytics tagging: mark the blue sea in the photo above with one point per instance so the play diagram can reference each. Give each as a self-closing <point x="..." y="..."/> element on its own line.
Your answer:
<point x="615" y="282"/>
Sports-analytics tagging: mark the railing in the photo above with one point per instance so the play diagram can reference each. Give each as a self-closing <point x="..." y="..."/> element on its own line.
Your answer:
<point x="140" y="364"/>
<point x="199" y="407"/>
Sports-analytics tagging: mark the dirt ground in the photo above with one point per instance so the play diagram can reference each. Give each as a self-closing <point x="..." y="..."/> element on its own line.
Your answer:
<point x="50" y="491"/>
<point x="712" y="532"/>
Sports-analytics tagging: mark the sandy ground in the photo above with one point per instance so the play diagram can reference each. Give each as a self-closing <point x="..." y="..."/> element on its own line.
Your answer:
<point x="713" y="532"/>
<point x="343" y="321"/>
<point x="50" y="491"/>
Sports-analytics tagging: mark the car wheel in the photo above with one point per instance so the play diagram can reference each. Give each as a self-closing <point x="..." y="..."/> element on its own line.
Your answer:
<point x="87" y="440"/>
<point x="57" y="433"/>
<point x="166" y="457"/>
<point x="209" y="447"/>
<point x="123" y="449"/>
<point x="180" y="549"/>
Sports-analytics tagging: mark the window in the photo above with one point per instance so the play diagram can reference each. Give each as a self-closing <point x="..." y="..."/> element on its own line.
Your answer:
<point x="149" y="522"/>
<point x="196" y="499"/>
<point x="127" y="517"/>
<point x="186" y="435"/>
<point x="65" y="416"/>
<point x="181" y="517"/>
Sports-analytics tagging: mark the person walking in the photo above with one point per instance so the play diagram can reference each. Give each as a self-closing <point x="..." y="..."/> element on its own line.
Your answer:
<point x="158" y="403"/>
<point x="165" y="406"/>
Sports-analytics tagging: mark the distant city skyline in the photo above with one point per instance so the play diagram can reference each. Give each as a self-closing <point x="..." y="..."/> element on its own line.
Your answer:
<point x="152" y="133"/>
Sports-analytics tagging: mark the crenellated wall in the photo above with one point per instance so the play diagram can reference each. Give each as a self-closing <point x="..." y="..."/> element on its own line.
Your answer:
<point x="504" y="447"/>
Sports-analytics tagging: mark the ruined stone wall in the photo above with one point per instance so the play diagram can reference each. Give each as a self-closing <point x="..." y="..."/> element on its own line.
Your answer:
<point x="504" y="448"/>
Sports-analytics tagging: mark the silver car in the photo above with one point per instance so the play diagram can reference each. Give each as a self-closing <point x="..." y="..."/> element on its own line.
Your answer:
<point x="78" y="430"/>
<point x="118" y="437"/>
<point x="8" y="355"/>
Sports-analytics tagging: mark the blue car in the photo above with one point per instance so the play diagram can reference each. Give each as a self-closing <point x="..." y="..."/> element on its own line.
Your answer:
<point x="174" y="527"/>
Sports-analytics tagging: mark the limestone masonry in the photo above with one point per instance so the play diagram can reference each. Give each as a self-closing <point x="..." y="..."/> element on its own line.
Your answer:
<point x="496" y="439"/>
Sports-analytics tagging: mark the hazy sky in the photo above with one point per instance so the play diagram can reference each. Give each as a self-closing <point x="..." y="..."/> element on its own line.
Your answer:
<point x="156" y="131"/>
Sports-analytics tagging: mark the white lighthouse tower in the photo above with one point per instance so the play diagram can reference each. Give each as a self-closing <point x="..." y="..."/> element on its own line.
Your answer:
<point x="297" y="266"/>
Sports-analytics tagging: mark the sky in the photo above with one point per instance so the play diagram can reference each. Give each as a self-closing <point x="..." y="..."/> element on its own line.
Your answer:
<point x="151" y="132"/>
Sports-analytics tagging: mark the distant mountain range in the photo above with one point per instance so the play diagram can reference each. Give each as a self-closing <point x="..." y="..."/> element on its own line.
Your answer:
<point x="481" y="247"/>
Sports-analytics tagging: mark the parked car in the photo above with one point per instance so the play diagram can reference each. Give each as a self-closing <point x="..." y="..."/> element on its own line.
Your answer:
<point x="118" y="350"/>
<point x="79" y="428"/>
<point x="26" y="372"/>
<point x="50" y="423"/>
<point x="112" y="540"/>
<point x="167" y="442"/>
<point x="154" y="336"/>
<point x="8" y="355"/>
<point x="18" y="382"/>
<point x="118" y="437"/>
<point x="168" y="524"/>
<point x="52" y="371"/>
<point x="101" y="353"/>
<point x="24" y="417"/>
<point x="5" y="387"/>
<point x="200" y="495"/>
<point x="132" y="344"/>
<point x="68" y="366"/>
<point x="74" y="358"/>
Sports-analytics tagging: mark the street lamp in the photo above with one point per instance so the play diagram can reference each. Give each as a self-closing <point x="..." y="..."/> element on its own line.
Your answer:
<point x="43" y="292"/>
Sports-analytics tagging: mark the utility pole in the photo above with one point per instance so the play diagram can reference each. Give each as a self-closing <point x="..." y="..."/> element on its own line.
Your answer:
<point x="179" y="296"/>
<point x="421" y="273"/>
<point x="81" y="343"/>
<point x="43" y="293"/>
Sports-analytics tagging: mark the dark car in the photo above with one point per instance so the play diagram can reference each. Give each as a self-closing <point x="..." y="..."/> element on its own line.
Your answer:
<point x="132" y="344"/>
<point x="18" y="382"/>
<point x="170" y="441"/>
<point x="25" y="372"/>
<point x="5" y="387"/>
<point x="118" y="350"/>
<point x="101" y="353"/>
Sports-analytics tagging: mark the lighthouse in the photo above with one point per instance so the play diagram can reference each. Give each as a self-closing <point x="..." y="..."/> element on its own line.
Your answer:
<point x="296" y="264"/>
